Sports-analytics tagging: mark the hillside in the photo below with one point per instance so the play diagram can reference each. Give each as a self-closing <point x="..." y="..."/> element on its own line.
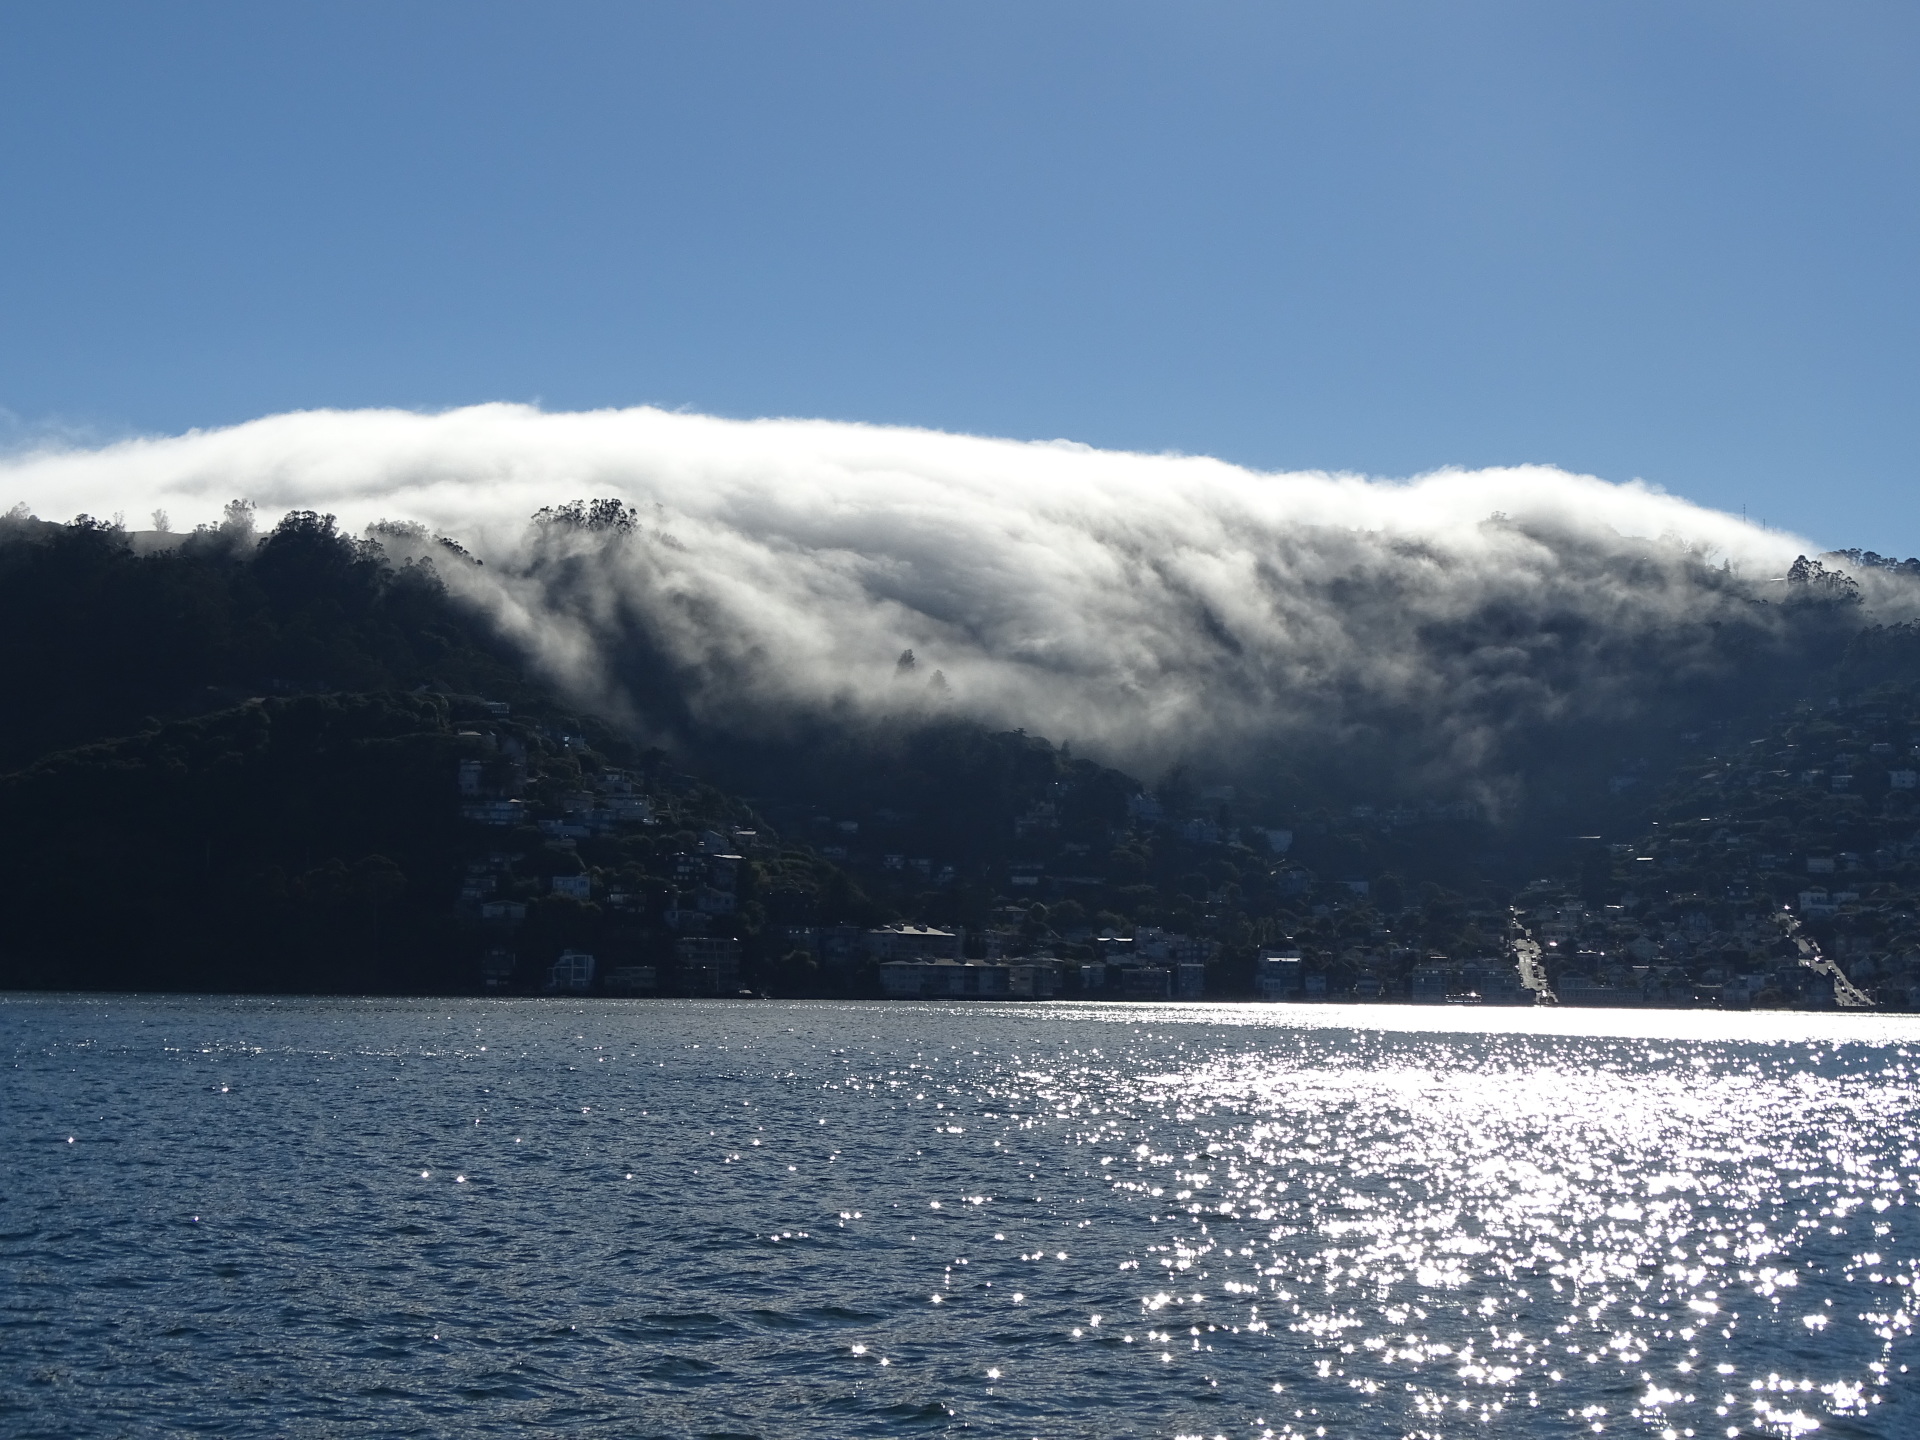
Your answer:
<point x="300" y="761"/>
<point x="1805" y="829"/>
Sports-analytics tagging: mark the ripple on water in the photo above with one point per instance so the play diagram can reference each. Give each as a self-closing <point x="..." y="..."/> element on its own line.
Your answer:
<point x="705" y="1218"/>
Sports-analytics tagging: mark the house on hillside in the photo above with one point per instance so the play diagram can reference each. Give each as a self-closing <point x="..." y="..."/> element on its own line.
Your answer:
<point x="1278" y="975"/>
<point x="1168" y="947"/>
<point x="1146" y="982"/>
<point x="1089" y="978"/>
<point x="1816" y="901"/>
<point x="914" y="942"/>
<point x="632" y="980"/>
<point x="572" y="971"/>
<point x="708" y="964"/>
<point x="497" y="967"/>
<point x="1579" y="989"/>
<point x="928" y="978"/>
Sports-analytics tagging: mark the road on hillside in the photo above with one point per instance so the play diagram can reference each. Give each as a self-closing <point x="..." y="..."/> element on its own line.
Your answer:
<point x="1846" y="994"/>
<point x="1533" y="971"/>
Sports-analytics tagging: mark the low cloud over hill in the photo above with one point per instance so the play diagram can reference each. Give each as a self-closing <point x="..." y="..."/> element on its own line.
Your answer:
<point x="753" y="579"/>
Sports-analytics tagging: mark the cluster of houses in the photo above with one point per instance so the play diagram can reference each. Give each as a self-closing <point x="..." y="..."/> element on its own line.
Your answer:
<point x="917" y="962"/>
<point x="703" y="965"/>
<point x="1616" y="956"/>
<point x="493" y="791"/>
<point x="1792" y="880"/>
<point x="913" y="962"/>
<point x="1690" y="952"/>
<point x="1163" y="967"/>
<point x="1283" y="975"/>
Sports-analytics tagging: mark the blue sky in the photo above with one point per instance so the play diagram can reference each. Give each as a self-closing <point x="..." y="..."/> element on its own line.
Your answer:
<point x="1673" y="241"/>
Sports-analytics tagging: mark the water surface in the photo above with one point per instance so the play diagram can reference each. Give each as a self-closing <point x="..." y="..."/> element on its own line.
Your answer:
<point x="333" y="1217"/>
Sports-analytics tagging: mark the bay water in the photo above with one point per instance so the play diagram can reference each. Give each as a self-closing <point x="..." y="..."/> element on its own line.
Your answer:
<point x="229" y="1216"/>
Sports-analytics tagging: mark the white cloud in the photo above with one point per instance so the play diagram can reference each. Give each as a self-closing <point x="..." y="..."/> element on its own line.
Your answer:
<point x="1142" y="604"/>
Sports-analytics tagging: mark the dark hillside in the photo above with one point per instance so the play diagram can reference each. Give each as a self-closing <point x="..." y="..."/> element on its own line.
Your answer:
<point x="1805" y="827"/>
<point x="264" y="763"/>
<point x="301" y="844"/>
<point x="100" y="640"/>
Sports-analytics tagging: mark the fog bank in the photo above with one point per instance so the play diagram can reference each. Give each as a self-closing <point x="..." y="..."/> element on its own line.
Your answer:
<point x="1145" y="607"/>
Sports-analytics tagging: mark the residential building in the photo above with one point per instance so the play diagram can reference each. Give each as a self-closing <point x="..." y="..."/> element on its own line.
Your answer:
<point x="1167" y="947"/>
<point x="1037" y="979"/>
<point x="1279" y="975"/>
<point x="1143" y="807"/>
<point x="1586" y="990"/>
<point x="914" y="942"/>
<point x="495" y="812"/>
<point x="929" y="979"/>
<point x="708" y="964"/>
<point x="472" y="774"/>
<point x="1146" y="982"/>
<point x="1816" y="902"/>
<point x="497" y="967"/>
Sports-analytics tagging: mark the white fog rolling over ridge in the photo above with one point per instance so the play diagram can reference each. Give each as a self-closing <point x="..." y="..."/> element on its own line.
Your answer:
<point x="1146" y="608"/>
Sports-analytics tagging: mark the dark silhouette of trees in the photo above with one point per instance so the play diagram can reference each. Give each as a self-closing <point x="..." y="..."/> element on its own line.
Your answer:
<point x="98" y="641"/>
<point x="309" y="843"/>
